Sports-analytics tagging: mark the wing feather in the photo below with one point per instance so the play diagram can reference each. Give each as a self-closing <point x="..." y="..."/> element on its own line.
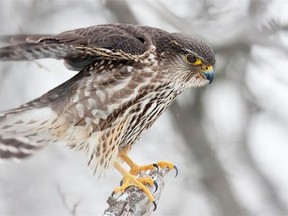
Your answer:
<point x="82" y="46"/>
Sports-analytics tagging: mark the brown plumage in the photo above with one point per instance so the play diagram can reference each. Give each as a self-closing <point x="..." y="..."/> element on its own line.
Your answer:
<point x="129" y="75"/>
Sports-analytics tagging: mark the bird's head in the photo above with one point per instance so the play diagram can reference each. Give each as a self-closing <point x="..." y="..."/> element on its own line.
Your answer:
<point x="193" y="60"/>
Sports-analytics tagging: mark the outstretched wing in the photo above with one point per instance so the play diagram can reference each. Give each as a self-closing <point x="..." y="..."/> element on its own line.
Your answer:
<point x="81" y="46"/>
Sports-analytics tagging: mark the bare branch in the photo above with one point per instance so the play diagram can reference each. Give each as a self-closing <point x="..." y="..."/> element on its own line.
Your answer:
<point x="62" y="195"/>
<point x="133" y="201"/>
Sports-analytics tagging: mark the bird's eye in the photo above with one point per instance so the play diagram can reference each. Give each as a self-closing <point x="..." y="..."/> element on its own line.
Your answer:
<point x="191" y="59"/>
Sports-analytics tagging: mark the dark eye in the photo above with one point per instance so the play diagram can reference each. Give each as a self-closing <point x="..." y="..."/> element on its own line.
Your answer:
<point x="191" y="59"/>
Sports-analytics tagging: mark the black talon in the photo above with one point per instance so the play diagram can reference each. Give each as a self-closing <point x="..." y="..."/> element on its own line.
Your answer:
<point x="176" y="170"/>
<point x="156" y="186"/>
<point x="156" y="166"/>
<point x="113" y="193"/>
<point x="155" y="205"/>
<point x="121" y="182"/>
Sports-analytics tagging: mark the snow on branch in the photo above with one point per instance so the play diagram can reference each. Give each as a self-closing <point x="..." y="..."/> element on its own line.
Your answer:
<point x="133" y="202"/>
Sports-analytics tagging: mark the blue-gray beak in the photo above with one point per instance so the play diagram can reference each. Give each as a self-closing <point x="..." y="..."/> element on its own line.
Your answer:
<point x="209" y="75"/>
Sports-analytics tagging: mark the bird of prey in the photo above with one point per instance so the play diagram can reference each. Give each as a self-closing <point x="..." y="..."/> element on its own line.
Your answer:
<point x="128" y="76"/>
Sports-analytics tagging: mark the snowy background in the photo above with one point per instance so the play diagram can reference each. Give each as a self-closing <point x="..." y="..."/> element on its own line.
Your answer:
<point x="229" y="140"/>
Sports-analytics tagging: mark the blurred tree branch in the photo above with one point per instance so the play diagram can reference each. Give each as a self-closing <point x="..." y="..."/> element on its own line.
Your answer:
<point x="121" y="11"/>
<point x="189" y="123"/>
<point x="71" y="209"/>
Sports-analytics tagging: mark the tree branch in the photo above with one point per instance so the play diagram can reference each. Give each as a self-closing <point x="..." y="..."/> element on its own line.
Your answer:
<point x="134" y="201"/>
<point x="71" y="209"/>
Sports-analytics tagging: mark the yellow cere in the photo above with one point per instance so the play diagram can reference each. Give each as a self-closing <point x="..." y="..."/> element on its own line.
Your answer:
<point x="207" y="67"/>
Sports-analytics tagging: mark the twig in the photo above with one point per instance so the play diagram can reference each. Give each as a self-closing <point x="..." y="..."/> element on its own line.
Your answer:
<point x="72" y="210"/>
<point x="133" y="202"/>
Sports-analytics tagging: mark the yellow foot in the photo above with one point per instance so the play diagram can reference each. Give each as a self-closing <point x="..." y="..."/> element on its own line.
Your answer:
<point x="136" y="169"/>
<point x="131" y="180"/>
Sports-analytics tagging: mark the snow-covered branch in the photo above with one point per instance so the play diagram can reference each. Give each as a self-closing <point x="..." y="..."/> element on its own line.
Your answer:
<point x="133" y="202"/>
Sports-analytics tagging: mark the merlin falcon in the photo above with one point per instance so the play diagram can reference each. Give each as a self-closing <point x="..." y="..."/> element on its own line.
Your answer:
<point x="128" y="76"/>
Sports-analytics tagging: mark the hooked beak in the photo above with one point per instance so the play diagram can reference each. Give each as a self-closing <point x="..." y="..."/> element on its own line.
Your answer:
<point x="209" y="74"/>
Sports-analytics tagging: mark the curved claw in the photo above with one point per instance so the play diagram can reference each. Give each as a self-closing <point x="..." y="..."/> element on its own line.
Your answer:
<point x="176" y="171"/>
<point x="156" y="166"/>
<point x="112" y="194"/>
<point x="155" y="205"/>
<point x="156" y="186"/>
<point x="121" y="182"/>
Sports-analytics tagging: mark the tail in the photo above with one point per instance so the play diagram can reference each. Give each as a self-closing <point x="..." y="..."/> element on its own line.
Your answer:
<point x="24" y="131"/>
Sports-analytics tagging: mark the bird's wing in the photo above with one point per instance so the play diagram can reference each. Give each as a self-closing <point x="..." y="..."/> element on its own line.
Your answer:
<point x="81" y="46"/>
<point x="82" y="110"/>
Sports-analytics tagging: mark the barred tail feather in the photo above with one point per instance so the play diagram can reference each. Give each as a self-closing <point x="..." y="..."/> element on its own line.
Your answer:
<point x="17" y="148"/>
<point x="24" y="131"/>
